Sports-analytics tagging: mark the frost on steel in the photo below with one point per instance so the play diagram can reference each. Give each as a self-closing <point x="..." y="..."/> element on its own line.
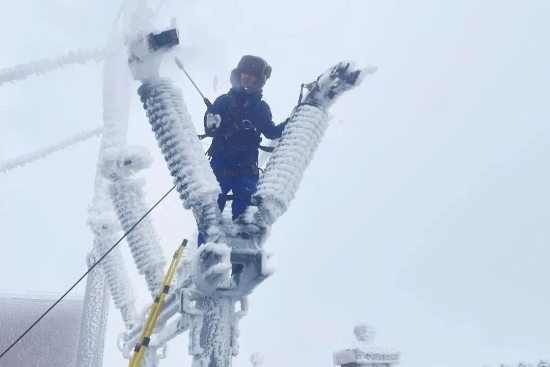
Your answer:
<point x="204" y="296"/>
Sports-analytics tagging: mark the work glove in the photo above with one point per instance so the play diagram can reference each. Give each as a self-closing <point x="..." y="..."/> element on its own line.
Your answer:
<point x="213" y="121"/>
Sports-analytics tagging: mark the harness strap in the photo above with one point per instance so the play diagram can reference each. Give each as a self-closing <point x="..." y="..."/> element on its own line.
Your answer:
<point x="230" y="197"/>
<point x="238" y="124"/>
<point x="234" y="173"/>
<point x="261" y="147"/>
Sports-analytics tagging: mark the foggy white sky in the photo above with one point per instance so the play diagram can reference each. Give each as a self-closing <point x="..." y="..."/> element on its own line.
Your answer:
<point x="423" y="213"/>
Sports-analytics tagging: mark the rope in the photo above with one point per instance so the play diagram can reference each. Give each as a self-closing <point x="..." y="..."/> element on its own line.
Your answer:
<point x="85" y="274"/>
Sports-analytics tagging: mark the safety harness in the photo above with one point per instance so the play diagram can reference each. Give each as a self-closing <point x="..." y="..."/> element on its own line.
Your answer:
<point x="237" y="126"/>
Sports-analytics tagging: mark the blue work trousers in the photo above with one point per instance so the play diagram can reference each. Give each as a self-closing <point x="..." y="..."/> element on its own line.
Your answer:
<point x="242" y="187"/>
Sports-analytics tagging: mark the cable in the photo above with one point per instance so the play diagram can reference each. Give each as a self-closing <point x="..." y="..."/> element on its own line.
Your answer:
<point x="86" y="273"/>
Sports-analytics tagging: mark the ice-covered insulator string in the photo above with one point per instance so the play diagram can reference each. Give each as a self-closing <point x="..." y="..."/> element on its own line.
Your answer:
<point x="128" y="197"/>
<point x="183" y="152"/>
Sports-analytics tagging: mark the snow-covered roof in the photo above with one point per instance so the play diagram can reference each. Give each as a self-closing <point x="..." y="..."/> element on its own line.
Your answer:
<point x="52" y="342"/>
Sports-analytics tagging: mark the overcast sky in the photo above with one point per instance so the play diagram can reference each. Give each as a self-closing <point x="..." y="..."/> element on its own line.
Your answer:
<point x="425" y="211"/>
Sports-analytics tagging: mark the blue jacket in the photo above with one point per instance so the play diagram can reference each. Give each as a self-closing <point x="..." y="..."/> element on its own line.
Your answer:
<point x="244" y="118"/>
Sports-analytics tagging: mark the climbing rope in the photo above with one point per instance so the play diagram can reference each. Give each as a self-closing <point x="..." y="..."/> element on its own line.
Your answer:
<point x="85" y="274"/>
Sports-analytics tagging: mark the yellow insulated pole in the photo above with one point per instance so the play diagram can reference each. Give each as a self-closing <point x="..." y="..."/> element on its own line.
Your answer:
<point x="145" y="337"/>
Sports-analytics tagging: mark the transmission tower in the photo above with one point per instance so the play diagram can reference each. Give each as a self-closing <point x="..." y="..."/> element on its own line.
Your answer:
<point x="203" y="297"/>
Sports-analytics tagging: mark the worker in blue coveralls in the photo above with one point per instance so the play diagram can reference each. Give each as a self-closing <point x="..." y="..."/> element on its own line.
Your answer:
<point x="236" y="122"/>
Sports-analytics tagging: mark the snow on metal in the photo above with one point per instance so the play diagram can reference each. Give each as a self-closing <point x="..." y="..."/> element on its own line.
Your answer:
<point x="20" y="72"/>
<point x="366" y="354"/>
<point x="205" y="281"/>
<point x="128" y="197"/>
<point x="284" y="171"/>
<point x="116" y="103"/>
<point x="257" y="359"/>
<point x="183" y="152"/>
<point x="204" y="298"/>
<point x="25" y="159"/>
<point x="114" y="268"/>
